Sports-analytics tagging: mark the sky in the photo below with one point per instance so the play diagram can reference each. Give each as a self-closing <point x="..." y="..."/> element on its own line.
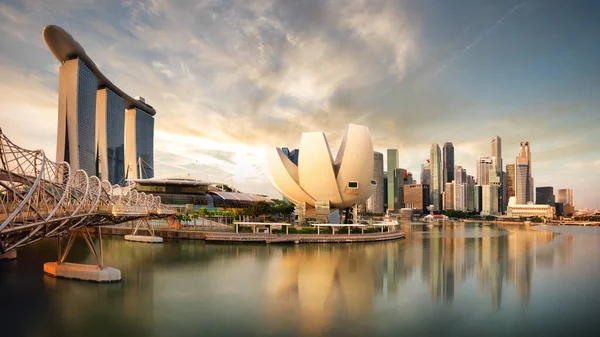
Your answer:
<point x="231" y="80"/>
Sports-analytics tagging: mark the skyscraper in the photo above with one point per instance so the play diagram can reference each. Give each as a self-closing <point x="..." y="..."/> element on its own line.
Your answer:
<point x="566" y="196"/>
<point x="399" y="175"/>
<point x="426" y="173"/>
<point x="110" y="136"/>
<point x="77" y="86"/>
<point x="91" y="115"/>
<point x="448" y="163"/>
<point x="497" y="161"/>
<point x="544" y="196"/>
<point x="489" y="200"/>
<point x="436" y="176"/>
<point x="375" y="202"/>
<point x="484" y="166"/>
<point x="416" y="196"/>
<point x="139" y="144"/>
<point x="392" y="164"/>
<point x="510" y="180"/>
<point x="523" y="179"/>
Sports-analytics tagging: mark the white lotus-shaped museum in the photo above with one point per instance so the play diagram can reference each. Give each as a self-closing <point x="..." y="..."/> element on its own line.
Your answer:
<point x="318" y="178"/>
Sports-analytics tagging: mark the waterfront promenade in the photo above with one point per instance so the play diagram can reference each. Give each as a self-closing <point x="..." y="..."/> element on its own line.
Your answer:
<point x="220" y="236"/>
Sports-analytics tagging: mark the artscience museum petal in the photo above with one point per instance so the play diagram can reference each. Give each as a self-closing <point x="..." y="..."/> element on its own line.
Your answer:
<point x="318" y="179"/>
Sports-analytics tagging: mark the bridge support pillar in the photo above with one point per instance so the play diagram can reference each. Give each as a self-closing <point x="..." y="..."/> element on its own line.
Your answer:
<point x="144" y="238"/>
<point x="10" y="255"/>
<point x="86" y="272"/>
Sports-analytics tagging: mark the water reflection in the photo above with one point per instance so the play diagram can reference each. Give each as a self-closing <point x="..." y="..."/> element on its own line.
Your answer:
<point x="319" y="283"/>
<point x="182" y="287"/>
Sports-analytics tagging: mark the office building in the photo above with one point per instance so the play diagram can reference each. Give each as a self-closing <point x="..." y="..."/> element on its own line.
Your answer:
<point x="498" y="173"/>
<point x="399" y="175"/>
<point x="448" y="162"/>
<point x="510" y="181"/>
<point x="91" y="114"/>
<point x="448" y="196"/>
<point x="385" y="191"/>
<point x="484" y="167"/>
<point x="565" y="196"/>
<point x="489" y="200"/>
<point x="392" y="165"/>
<point x="460" y="196"/>
<point x="436" y="176"/>
<point x="426" y="173"/>
<point x="477" y="198"/>
<point x="523" y="180"/>
<point x="416" y="196"/>
<point x="375" y="202"/>
<point x="544" y="196"/>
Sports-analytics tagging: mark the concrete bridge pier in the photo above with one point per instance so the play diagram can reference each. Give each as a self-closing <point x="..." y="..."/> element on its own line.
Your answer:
<point x="143" y="238"/>
<point x="10" y="255"/>
<point x="95" y="273"/>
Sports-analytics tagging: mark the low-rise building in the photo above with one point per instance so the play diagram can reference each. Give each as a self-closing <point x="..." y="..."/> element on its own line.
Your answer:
<point x="529" y="210"/>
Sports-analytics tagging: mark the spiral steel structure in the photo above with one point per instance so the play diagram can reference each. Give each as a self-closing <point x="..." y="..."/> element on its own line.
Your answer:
<point x="40" y="198"/>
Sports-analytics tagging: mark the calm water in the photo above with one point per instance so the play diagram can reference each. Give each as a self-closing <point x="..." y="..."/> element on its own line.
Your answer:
<point x="452" y="280"/>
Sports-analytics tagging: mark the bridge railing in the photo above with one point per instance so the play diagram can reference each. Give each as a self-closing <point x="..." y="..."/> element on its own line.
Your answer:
<point x="39" y="197"/>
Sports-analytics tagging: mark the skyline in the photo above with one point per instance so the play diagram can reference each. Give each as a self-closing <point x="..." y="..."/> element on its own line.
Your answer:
<point x="230" y="83"/>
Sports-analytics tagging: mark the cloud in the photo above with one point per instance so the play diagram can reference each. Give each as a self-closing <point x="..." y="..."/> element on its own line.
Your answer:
<point x="230" y="80"/>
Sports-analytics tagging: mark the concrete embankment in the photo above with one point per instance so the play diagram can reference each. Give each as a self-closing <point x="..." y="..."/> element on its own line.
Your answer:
<point x="303" y="238"/>
<point x="213" y="236"/>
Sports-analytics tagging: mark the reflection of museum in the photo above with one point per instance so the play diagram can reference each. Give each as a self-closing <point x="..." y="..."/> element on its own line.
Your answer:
<point x="318" y="283"/>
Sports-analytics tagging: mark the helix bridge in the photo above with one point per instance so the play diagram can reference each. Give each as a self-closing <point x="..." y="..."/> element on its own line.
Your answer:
<point x="40" y="198"/>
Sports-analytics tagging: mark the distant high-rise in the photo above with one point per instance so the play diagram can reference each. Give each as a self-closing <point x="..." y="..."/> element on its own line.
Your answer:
<point x="426" y="173"/>
<point x="448" y="162"/>
<point x="497" y="161"/>
<point x="448" y="199"/>
<point x="484" y="166"/>
<point x="510" y="180"/>
<point x="375" y="202"/>
<point x="544" y="196"/>
<point x="489" y="200"/>
<point x="416" y="196"/>
<point x="399" y="175"/>
<point x="436" y="176"/>
<point x="91" y="115"/>
<point x="392" y="164"/>
<point x="523" y="179"/>
<point x="566" y="196"/>
<point x="497" y="152"/>
<point x="385" y="191"/>
<point x="460" y="188"/>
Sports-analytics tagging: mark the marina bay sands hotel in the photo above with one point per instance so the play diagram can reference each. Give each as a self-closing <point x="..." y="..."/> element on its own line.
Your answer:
<point x="101" y="129"/>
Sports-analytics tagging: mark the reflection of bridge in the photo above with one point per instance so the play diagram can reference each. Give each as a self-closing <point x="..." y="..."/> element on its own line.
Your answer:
<point x="40" y="198"/>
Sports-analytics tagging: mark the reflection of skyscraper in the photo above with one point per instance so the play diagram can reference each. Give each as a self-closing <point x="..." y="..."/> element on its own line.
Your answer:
<point x="448" y="162"/>
<point x="436" y="176"/>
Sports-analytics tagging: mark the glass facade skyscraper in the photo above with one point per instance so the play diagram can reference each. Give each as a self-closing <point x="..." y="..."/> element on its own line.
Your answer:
<point x="436" y="176"/>
<point x="448" y="163"/>
<point x="110" y="136"/>
<point x="392" y="164"/>
<point x="76" y="116"/>
<point x="139" y="144"/>
<point x="91" y="115"/>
